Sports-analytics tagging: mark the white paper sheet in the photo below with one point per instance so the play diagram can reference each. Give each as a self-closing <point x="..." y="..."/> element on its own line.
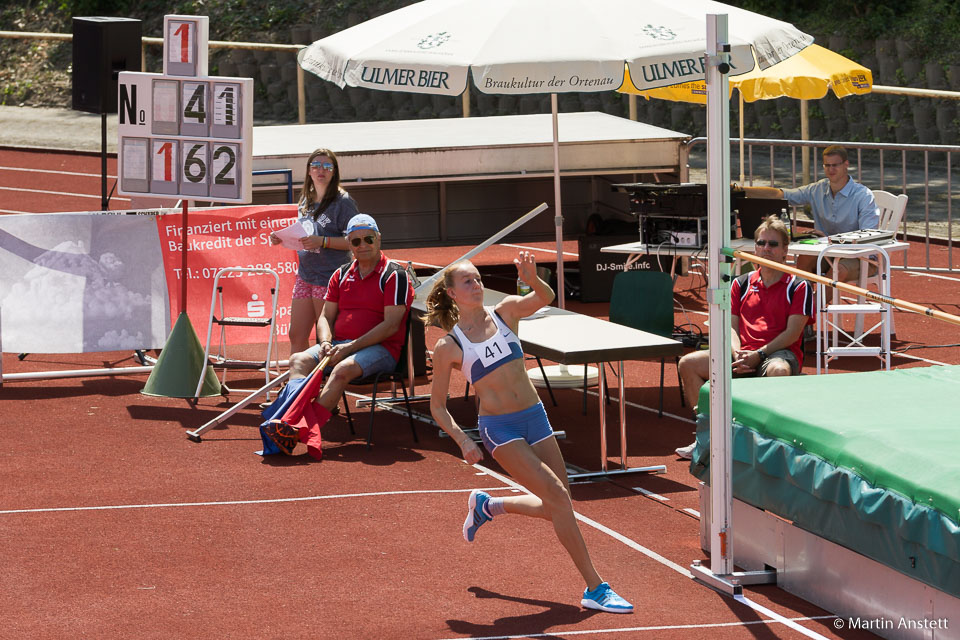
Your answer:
<point x="290" y="236"/>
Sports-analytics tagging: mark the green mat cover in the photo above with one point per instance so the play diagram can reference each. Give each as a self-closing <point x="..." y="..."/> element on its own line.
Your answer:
<point x="870" y="461"/>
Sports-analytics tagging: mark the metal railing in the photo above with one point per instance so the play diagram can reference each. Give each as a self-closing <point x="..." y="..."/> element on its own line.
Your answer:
<point x="218" y="44"/>
<point x="871" y="165"/>
<point x="213" y="44"/>
<point x="873" y="171"/>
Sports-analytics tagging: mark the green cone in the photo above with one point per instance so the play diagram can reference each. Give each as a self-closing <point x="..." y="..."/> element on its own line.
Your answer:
<point x="179" y="366"/>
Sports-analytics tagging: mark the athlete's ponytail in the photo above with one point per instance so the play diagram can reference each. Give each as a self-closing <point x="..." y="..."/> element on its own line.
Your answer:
<point x="441" y="309"/>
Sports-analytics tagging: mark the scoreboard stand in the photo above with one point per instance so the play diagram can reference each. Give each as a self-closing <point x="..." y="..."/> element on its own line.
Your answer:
<point x="183" y="133"/>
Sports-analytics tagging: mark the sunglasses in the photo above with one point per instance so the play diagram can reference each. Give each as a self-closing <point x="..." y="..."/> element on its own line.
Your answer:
<point x="326" y="166"/>
<point x="773" y="244"/>
<point x="832" y="165"/>
<point x="368" y="239"/>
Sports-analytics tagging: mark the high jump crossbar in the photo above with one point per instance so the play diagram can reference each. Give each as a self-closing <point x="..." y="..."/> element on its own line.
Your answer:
<point x="845" y="287"/>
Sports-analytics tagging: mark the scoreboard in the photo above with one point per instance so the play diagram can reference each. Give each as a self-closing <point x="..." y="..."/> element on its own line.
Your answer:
<point x="182" y="132"/>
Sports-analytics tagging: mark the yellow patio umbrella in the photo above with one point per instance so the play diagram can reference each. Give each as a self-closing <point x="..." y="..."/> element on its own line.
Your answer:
<point x="805" y="76"/>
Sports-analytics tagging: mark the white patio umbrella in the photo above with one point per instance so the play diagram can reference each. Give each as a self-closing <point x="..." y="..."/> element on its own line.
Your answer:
<point x="542" y="46"/>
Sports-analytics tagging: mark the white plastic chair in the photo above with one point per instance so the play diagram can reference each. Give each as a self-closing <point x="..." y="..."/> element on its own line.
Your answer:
<point x="891" y="208"/>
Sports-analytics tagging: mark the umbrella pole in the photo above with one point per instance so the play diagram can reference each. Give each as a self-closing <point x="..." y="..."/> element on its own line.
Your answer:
<point x="805" y="135"/>
<point x="742" y="179"/>
<point x="558" y="219"/>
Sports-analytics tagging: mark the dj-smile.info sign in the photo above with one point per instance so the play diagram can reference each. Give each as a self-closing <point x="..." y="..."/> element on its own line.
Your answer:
<point x="184" y="133"/>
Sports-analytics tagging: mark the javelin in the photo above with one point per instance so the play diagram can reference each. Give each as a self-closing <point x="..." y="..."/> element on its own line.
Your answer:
<point x="843" y="286"/>
<point x="427" y="284"/>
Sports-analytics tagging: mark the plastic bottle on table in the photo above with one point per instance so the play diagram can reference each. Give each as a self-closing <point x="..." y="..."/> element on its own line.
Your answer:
<point x="785" y="218"/>
<point x="523" y="288"/>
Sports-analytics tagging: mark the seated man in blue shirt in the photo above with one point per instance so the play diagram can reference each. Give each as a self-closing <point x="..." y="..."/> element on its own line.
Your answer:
<point x="838" y="205"/>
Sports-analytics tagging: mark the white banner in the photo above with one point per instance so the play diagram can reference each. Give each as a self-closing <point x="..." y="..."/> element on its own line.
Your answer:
<point x="81" y="282"/>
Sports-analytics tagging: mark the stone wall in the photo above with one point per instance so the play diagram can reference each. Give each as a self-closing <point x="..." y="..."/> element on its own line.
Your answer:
<point x="880" y="118"/>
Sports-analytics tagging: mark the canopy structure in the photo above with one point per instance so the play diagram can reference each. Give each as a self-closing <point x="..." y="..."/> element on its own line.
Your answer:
<point x="542" y="46"/>
<point x="809" y="75"/>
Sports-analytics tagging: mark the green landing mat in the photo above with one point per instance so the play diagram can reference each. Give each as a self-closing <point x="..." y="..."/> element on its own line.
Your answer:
<point x="868" y="460"/>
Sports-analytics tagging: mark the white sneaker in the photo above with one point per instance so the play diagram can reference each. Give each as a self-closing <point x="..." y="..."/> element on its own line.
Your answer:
<point x="686" y="453"/>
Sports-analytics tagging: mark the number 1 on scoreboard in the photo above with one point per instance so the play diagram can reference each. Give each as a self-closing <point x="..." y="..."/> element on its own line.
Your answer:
<point x="182" y="35"/>
<point x="185" y="45"/>
<point x="227" y="110"/>
<point x="165" y="165"/>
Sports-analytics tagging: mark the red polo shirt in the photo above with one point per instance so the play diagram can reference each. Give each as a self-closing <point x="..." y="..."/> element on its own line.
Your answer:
<point x="361" y="300"/>
<point x="763" y="311"/>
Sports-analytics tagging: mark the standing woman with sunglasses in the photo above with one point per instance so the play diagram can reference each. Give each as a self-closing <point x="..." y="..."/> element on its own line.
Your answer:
<point x="324" y="210"/>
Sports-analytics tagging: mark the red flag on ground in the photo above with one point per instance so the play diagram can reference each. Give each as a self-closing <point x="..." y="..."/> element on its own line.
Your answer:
<point x="301" y="417"/>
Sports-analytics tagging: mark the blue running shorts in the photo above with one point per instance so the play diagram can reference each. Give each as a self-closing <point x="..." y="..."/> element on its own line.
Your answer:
<point x="530" y="424"/>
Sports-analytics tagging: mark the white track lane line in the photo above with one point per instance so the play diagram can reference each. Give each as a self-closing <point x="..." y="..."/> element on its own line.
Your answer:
<point x="706" y="625"/>
<point x="898" y="354"/>
<point x="651" y="494"/>
<point x="57" y="172"/>
<point x="653" y="555"/>
<point x="241" y="502"/>
<point x="553" y="251"/>
<point x="61" y="193"/>
<point x="759" y="608"/>
<point x="639" y="406"/>
<point x="511" y="484"/>
<point x="930" y="275"/>
<point x="596" y="525"/>
<point x="423" y="264"/>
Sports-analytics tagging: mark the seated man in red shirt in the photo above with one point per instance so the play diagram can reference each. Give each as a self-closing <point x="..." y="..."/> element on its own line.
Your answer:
<point x="362" y="326"/>
<point x="769" y="310"/>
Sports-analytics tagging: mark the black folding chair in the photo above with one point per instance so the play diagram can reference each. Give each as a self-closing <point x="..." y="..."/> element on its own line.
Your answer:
<point x="396" y="377"/>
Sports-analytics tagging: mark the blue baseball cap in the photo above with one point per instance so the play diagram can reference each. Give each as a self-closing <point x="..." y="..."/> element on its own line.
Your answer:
<point x="361" y="221"/>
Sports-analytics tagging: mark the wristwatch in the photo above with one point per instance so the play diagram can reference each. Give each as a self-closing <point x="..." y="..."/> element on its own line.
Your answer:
<point x="762" y="354"/>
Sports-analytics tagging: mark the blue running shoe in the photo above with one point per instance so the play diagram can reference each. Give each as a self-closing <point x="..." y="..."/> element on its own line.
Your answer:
<point x="603" y="598"/>
<point x="477" y="514"/>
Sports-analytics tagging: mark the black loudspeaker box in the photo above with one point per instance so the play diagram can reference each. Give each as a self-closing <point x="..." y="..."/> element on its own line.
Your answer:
<point x="597" y="269"/>
<point x="102" y="47"/>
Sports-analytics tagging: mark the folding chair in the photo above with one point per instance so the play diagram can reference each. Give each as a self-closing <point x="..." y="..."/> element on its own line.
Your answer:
<point x="644" y="300"/>
<point x="396" y="378"/>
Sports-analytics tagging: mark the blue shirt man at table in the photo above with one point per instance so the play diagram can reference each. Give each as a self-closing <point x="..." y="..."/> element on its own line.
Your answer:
<point x="838" y="205"/>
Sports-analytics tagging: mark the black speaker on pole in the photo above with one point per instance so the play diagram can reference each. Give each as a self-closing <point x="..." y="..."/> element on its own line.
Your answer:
<point x="102" y="47"/>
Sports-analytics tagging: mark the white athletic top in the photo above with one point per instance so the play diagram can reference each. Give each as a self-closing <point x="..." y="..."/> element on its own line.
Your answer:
<point x="480" y="358"/>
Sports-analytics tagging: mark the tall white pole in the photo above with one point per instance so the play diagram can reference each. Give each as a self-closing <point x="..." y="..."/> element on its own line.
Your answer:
<point x="558" y="218"/>
<point x="718" y="294"/>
